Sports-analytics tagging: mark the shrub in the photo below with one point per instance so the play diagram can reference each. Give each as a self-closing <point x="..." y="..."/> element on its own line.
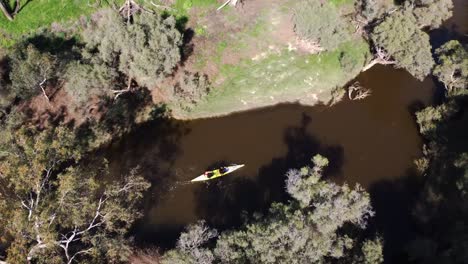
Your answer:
<point x="30" y="69"/>
<point x="373" y="9"/>
<point x="432" y="13"/>
<point x="190" y="89"/>
<point x="146" y="50"/>
<point x="452" y="66"/>
<point x="88" y="80"/>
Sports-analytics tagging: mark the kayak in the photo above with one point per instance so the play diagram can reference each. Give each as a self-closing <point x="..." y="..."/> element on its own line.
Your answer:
<point x="217" y="173"/>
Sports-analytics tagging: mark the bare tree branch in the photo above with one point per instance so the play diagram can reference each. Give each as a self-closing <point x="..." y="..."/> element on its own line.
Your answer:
<point x="17" y="7"/>
<point x="381" y="57"/>
<point x="5" y="11"/>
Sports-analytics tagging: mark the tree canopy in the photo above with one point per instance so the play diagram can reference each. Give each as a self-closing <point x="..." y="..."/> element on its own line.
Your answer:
<point x="117" y="53"/>
<point x="452" y="66"/>
<point x="398" y="35"/>
<point x="321" y="23"/>
<point x="431" y="13"/>
<point x="56" y="215"/>
<point x="31" y="71"/>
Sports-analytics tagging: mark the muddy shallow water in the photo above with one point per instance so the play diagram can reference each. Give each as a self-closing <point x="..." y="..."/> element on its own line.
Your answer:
<point x="368" y="142"/>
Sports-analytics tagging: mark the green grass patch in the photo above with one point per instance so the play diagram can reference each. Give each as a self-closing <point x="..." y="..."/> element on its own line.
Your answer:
<point x="284" y="77"/>
<point x="41" y="13"/>
<point x="183" y="6"/>
<point x="339" y="3"/>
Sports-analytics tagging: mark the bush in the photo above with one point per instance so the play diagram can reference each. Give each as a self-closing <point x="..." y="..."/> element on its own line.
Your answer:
<point x="320" y="22"/>
<point x="432" y="13"/>
<point x="30" y="68"/>
<point x="373" y="9"/>
<point x="452" y="66"/>
<point x="190" y="89"/>
<point x="146" y="50"/>
<point x="85" y="81"/>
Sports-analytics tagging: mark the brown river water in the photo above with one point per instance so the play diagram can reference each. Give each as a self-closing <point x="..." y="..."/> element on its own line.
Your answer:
<point x="372" y="142"/>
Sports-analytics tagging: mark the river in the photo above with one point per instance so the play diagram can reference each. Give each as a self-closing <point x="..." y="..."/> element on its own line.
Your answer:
<point x="369" y="142"/>
<point x="372" y="142"/>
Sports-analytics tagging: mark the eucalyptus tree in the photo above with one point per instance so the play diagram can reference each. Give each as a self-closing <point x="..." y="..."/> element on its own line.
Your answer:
<point x="320" y="22"/>
<point x="143" y="50"/>
<point x="431" y="14"/>
<point x="31" y="71"/>
<point x="401" y="38"/>
<point x="57" y="211"/>
<point x="452" y="66"/>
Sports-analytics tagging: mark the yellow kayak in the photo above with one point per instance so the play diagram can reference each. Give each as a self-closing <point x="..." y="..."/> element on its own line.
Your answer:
<point x="209" y="175"/>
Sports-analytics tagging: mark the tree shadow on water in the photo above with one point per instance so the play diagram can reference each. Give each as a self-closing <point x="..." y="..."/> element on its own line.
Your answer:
<point x="225" y="204"/>
<point x="393" y="202"/>
<point x="153" y="147"/>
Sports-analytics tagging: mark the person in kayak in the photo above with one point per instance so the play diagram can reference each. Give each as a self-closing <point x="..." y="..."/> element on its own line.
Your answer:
<point x="223" y="170"/>
<point x="209" y="174"/>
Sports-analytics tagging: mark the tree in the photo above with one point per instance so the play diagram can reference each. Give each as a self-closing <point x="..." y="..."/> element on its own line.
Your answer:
<point x="372" y="252"/>
<point x="431" y="13"/>
<point x="63" y="216"/>
<point x="398" y="35"/>
<point x="189" y="246"/>
<point x="320" y="22"/>
<point x="31" y="71"/>
<point x="452" y="65"/>
<point x="146" y="49"/>
<point x="85" y="81"/>
<point x="441" y="212"/>
<point x="373" y="9"/>
<point x="190" y="89"/>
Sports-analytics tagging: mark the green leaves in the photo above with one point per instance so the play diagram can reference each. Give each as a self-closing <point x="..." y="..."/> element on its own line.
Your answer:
<point x="400" y="37"/>
<point x="30" y="70"/>
<point x="452" y="66"/>
<point x="145" y="50"/>
<point x="320" y="22"/>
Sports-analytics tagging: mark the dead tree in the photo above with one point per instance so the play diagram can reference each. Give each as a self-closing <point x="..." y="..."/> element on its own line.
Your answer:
<point x="357" y="92"/>
<point x="380" y="57"/>
<point x="118" y="93"/>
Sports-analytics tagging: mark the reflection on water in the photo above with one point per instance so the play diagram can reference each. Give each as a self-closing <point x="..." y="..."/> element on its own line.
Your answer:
<point x="367" y="141"/>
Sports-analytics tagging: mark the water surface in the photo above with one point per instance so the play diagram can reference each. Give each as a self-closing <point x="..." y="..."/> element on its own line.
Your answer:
<point x="367" y="142"/>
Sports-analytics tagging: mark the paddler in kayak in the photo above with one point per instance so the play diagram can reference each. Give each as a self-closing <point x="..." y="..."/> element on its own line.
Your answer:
<point x="224" y="170"/>
<point x="221" y="170"/>
<point x="209" y="174"/>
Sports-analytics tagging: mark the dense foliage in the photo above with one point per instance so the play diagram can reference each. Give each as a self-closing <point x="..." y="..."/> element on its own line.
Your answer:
<point x="373" y="9"/>
<point x="190" y="89"/>
<point x="308" y="229"/>
<point x="31" y="71"/>
<point x="397" y="35"/>
<point x="145" y="51"/>
<point x="452" y="66"/>
<point x="321" y="23"/>
<point x="431" y="13"/>
<point x="442" y="211"/>
<point x="55" y="210"/>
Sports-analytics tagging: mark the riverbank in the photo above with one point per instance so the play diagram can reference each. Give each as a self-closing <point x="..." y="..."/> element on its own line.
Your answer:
<point x="254" y="59"/>
<point x="250" y="53"/>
